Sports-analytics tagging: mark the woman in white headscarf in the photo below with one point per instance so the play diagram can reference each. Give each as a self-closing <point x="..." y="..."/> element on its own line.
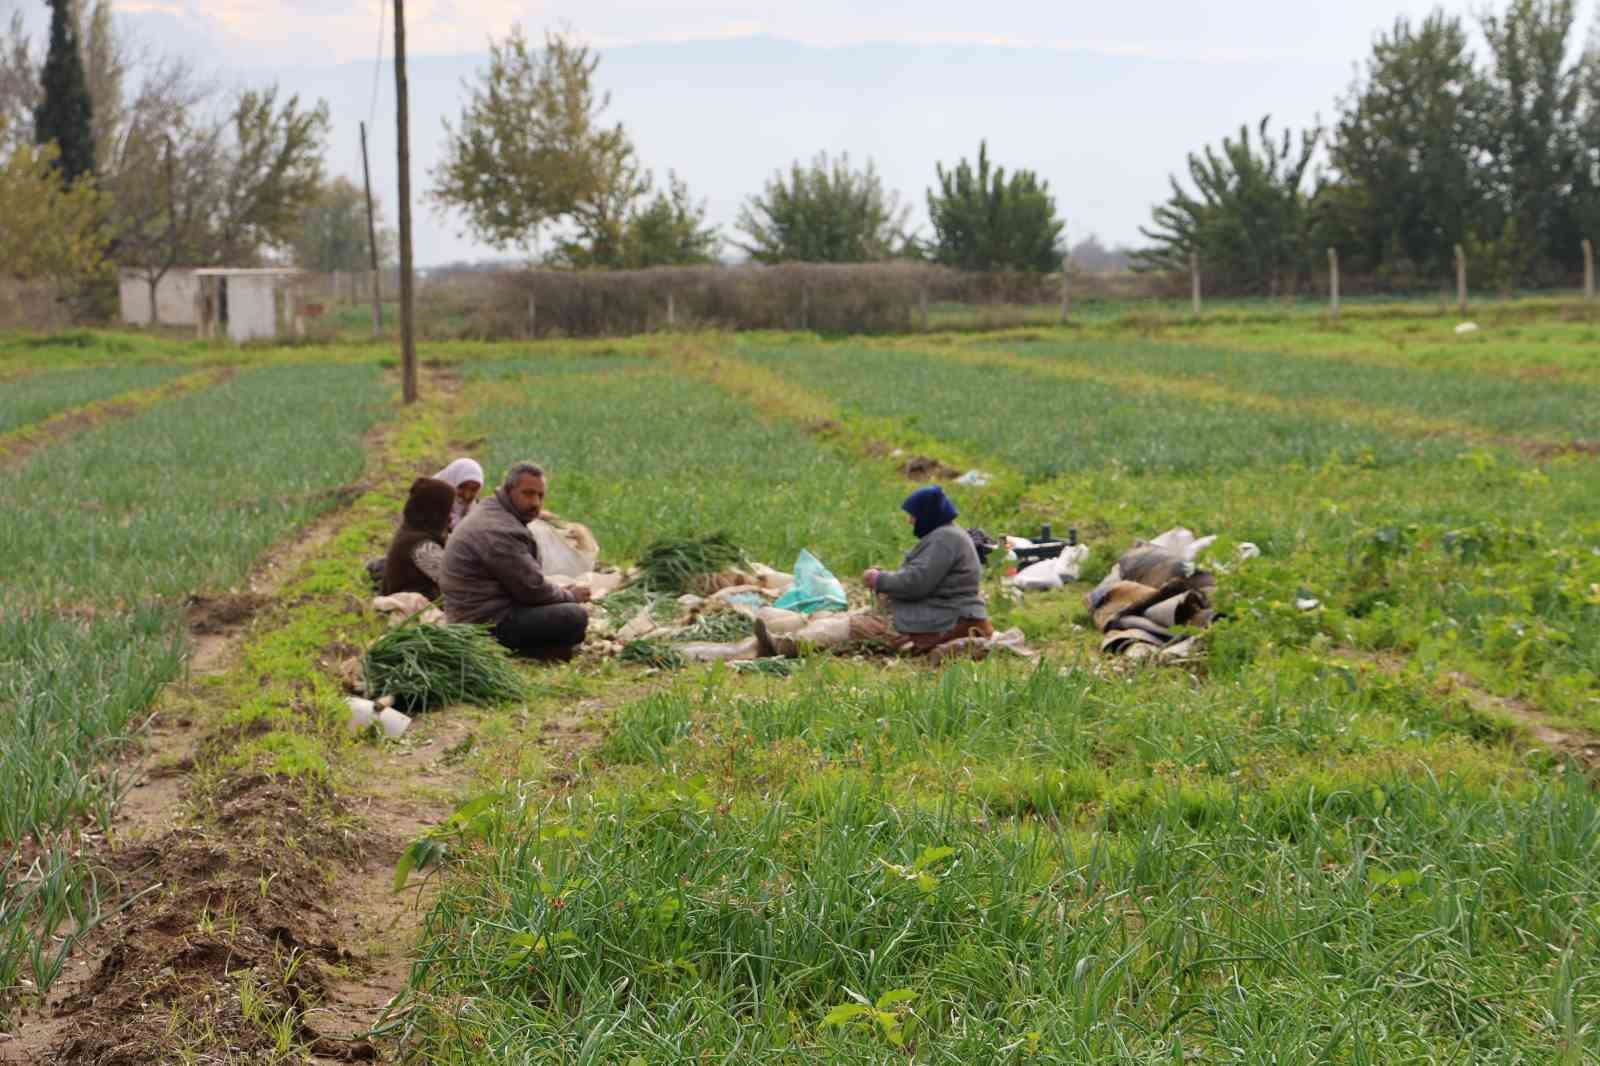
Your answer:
<point x="466" y="477"/>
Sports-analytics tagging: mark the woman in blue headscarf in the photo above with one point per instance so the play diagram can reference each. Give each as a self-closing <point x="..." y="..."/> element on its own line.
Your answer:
<point x="933" y="598"/>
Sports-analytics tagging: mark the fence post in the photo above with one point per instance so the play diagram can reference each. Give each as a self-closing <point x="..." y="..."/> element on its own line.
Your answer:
<point x="1333" y="281"/>
<point x="1588" y="269"/>
<point x="532" y="320"/>
<point x="1194" y="280"/>
<point x="1461" y="279"/>
<point x="672" y="312"/>
<point x="1066" y="291"/>
<point x="805" y="306"/>
<point x="922" y="304"/>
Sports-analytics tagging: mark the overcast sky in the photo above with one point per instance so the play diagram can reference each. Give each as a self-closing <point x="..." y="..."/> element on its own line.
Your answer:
<point x="1103" y="100"/>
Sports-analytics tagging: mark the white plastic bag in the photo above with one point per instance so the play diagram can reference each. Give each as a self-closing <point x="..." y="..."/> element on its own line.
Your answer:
<point x="1049" y="574"/>
<point x="557" y="557"/>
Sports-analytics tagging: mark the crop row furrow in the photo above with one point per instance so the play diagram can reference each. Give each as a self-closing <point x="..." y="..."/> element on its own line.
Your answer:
<point x="121" y="522"/>
<point x="1396" y="420"/>
<point x="772" y="394"/>
<point x="19" y="443"/>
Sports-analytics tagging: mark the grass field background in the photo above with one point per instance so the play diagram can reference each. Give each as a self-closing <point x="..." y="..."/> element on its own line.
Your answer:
<point x="1323" y="844"/>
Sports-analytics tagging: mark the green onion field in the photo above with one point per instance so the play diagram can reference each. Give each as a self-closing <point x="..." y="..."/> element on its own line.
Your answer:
<point x="1362" y="829"/>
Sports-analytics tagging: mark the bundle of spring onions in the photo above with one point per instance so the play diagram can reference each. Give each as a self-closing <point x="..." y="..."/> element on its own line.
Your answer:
<point x="768" y="667"/>
<point x="671" y="564"/>
<point x="423" y="665"/>
<point x="653" y="653"/>
<point x="717" y="627"/>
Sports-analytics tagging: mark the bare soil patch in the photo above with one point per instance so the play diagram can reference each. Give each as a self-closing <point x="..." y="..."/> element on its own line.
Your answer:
<point x="227" y="945"/>
<point x="1579" y="745"/>
<point x="926" y="468"/>
<point x="230" y="947"/>
<point x="1555" y="449"/>
<point x="227" y="613"/>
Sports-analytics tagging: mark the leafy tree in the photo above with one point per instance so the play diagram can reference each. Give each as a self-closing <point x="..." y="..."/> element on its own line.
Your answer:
<point x="1248" y="217"/>
<point x="1535" y="147"/>
<point x="601" y="217"/>
<point x="1586" y="183"/>
<point x="823" y="213"/>
<point x="63" y="115"/>
<point x="166" y="191"/>
<point x="52" y="232"/>
<point x="106" y="63"/>
<point x="981" y="221"/>
<point x="197" y="191"/>
<point x="271" y="170"/>
<point x="669" y="230"/>
<point x="532" y="149"/>
<point x="19" y="85"/>
<point x="332" y="231"/>
<point x="1405" y="150"/>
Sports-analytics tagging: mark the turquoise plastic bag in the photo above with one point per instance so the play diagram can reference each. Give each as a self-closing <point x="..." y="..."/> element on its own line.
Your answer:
<point x="814" y="588"/>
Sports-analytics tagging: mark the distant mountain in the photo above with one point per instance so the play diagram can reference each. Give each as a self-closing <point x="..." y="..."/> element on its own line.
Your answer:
<point x="1105" y="131"/>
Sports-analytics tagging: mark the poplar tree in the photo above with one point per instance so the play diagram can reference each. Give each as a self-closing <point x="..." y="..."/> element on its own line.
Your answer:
<point x="64" y="114"/>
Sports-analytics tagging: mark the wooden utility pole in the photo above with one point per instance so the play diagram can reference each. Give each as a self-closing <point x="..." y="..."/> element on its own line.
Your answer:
<point x="1333" y="281"/>
<point x="372" y="241"/>
<point x="1588" y="269"/>
<point x="408" y="337"/>
<point x="1461" y="279"/>
<point x="1194" y="280"/>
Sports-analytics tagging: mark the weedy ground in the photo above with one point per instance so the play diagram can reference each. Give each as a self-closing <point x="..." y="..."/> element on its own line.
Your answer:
<point x="1347" y="836"/>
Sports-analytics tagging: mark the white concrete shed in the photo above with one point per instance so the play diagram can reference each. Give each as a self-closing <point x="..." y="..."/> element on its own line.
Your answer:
<point x="177" y="298"/>
<point x="248" y="304"/>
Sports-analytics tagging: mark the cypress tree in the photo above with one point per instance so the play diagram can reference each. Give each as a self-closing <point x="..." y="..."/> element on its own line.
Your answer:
<point x="62" y="117"/>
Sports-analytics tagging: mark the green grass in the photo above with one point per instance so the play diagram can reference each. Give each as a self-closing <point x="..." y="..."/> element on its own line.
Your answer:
<point x="68" y="691"/>
<point x="83" y="347"/>
<point x="1285" y="856"/>
<point x="648" y="456"/>
<point x="187" y="494"/>
<point x="1492" y="401"/>
<point x="1513" y="338"/>
<point x="1311" y="848"/>
<point x="518" y="368"/>
<point x="1045" y="426"/>
<point x="114" y="526"/>
<point x="37" y="396"/>
<point x="751" y="864"/>
<point x="1480" y="563"/>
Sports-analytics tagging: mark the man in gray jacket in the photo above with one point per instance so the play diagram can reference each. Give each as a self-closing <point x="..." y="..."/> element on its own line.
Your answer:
<point x="492" y="574"/>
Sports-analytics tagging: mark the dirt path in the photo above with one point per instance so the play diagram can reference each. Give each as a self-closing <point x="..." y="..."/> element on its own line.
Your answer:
<point x="1580" y="745"/>
<point x="263" y="919"/>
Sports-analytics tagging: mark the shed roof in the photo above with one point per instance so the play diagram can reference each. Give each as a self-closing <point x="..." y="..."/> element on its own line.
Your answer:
<point x="238" y="272"/>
